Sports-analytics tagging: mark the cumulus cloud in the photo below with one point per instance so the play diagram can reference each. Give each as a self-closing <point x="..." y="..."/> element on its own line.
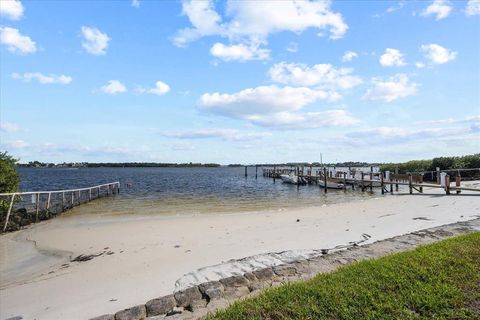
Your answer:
<point x="249" y="23"/>
<point x="43" y="79"/>
<point x="277" y="107"/>
<point x="392" y="58"/>
<point x="349" y="56"/>
<point x="263" y="100"/>
<point x="220" y="133"/>
<point x="438" y="54"/>
<point x="305" y="120"/>
<point x="9" y="127"/>
<point x="240" y="52"/>
<point x="391" y="89"/>
<point x="94" y="40"/>
<point x="473" y="8"/>
<point x="11" y="9"/>
<point x="16" y="42"/>
<point x="439" y="8"/>
<point x="160" y="89"/>
<point x="113" y="87"/>
<point x="323" y="76"/>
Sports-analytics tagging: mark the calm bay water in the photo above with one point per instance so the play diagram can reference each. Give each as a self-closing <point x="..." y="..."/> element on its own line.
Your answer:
<point x="182" y="190"/>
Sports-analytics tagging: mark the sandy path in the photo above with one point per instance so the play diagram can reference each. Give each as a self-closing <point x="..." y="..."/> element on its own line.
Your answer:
<point x="151" y="252"/>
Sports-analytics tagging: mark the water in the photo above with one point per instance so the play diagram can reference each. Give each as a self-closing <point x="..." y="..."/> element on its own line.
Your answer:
<point x="182" y="190"/>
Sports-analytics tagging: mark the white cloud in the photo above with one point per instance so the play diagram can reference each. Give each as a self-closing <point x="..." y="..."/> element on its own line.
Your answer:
<point x="17" y="144"/>
<point x="43" y="79"/>
<point x="292" y="47"/>
<point x="251" y="22"/>
<point x="221" y="133"/>
<point x="113" y="87"/>
<point x="391" y="9"/>
<point x="392" y="89"/>
<point x="16" y="42"/>
<point x="420" y="65"/>
<point x="240" y="52"/>
<point x="349" y="56"/>
<point x="392" y="58"/>
<point x="9" y="127"/>
<point x="438" y="54"/>
<point x="473" y="8"/>
<point x="306" y="120"/>
<point x="468" y="120"/>
<point x="440" y="8"/>
<point x="263" y="100"/>
<point x="95" y="41"/>
<point x="321" y="75"/>
<point x="136" y="3"/>
<point x="400" y="134"/>
<point x="11" y="9"/>
<point x="160" y="89"/>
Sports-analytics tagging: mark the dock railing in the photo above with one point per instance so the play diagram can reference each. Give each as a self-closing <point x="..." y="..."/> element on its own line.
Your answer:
<point x="369" y="180"/>
<point x="55" y="202"/>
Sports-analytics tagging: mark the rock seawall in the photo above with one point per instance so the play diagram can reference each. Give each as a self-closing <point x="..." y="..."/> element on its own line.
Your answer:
<point x="198" y="300"/>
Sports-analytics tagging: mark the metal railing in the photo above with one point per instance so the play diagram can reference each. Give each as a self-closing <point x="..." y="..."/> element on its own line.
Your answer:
<point x="54" y="200"/>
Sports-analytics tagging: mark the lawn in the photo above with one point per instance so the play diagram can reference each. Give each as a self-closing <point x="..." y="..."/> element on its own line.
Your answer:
<point x="437" y="281"/>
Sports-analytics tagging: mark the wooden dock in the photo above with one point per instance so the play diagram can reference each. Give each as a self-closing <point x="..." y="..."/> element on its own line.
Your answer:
<point x="386" y="181"/>
<point x="57" y="201"/>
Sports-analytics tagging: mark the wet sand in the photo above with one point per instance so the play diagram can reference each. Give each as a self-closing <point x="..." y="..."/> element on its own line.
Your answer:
<point x="140" y="257"/>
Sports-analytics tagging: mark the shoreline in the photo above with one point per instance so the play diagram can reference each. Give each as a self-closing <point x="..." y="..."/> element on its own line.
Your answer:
<point x="142" y="257"/>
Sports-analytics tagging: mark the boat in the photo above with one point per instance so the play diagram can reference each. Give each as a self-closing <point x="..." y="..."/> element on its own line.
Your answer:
<point x="292" y="179"/>
<point x="330" y="184"/>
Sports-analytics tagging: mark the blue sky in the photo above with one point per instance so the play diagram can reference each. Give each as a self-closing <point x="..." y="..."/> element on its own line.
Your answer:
<point x="239" y="82"/>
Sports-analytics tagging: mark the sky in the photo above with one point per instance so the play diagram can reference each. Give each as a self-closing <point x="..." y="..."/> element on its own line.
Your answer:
<point x="239" y="81"/>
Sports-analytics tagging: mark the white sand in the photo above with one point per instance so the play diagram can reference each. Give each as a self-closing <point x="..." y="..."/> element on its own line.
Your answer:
<point x="152" y="252"/>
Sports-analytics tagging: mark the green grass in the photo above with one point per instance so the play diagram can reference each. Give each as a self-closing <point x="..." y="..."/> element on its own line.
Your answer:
<point x="437" y="281"/>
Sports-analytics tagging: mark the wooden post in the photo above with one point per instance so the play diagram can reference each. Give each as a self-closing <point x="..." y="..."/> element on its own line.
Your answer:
<point x="447" y="184"/>
<point x="371" y="179"/>
<point x="71" y="199"/>
<point x="246" y="173"/>
<point x="63" y="201"/>
<point x="381" y="183"/>
<point x="458" y="180"/>
<point x="90" y="194"/>
<point x="79" y="198"/>
<point x="325" y="179"/>
<point x="118" y="188"/>
<point x="396" y="184"/>
<point x="274" y="173"/>
<point x="345" y="181"/>
<point x="410" y="183"/>
<point x="48" y="201"/>
<point x="37" y="207"/>
<point x="8" y="212"/>
<point x="298" y="176"/>
<point x="256" y="171"/>
<point x="363" y="184"/>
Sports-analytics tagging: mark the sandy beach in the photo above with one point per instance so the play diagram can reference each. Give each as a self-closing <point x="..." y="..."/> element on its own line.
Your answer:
<point x="141" y="257"/>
